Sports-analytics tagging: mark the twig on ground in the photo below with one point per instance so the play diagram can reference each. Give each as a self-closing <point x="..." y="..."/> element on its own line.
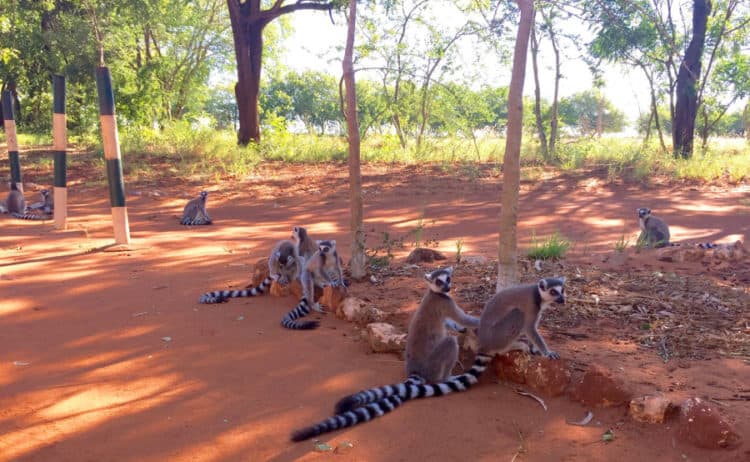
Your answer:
<point x="530" y="395"/>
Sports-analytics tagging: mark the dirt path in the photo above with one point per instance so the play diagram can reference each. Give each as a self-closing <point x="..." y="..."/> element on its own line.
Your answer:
<point x="95" y="377"/>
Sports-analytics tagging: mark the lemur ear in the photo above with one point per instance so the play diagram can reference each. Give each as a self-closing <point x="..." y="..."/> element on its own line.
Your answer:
<point x="542" y="284"/>
<point x="562" y="278"/>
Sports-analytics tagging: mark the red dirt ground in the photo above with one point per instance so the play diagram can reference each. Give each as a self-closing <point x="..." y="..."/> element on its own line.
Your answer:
<point x="86" y="373"/>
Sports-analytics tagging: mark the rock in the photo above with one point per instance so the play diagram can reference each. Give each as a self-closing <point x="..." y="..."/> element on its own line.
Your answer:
<point x="512" y="366"/>
<point x="277" y="290"/>
<point x="650" y="409"/>
<point x="355" y="310"/>
<point x="295" y="288"/>
<point x="385" y="338"/>
<point x="332" y="297"/>
<point x="701" y="425"/>
<point x="597" y="387"/>
<point x="679" y="254"/>
<point x="730" y="252"/>
<point x="474" y="260"/>
<point x="260" y="272"/>
<point x="546" y="376"/>
<point x="422" y="255"/>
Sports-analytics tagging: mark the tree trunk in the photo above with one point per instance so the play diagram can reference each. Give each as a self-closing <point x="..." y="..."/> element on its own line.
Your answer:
<point x="248" y="20"/>
<point x="357" y="263"/>
<point x="686" y="106"/>
<point x="249" y="57"/>
<point x="556" y="94"/>
<point x="538" y="96"/>
<point x="507" y="271"/>
<point x="746" y="117"/>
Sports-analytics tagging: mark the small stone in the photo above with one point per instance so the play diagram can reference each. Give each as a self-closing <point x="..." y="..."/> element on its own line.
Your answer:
<point x="423" y="255"/>
<point x="650" y="409"/>
<point x="701" y="425"/>
<point x="474" y="259"/>
<point x="356" y="310"/>
<point x="385" y="338"/>
<point x="598" y="387"/>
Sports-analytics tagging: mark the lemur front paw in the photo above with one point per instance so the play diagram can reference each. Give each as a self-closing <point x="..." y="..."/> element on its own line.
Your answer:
<point x="552" y="355"/>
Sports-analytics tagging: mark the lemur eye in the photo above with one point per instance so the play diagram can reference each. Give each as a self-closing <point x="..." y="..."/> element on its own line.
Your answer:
<point x="448" y="280"/>
<point x="554" y="292"/>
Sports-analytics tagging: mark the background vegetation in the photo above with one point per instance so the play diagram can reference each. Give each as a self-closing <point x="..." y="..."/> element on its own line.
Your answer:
<point x="417" y="99"/>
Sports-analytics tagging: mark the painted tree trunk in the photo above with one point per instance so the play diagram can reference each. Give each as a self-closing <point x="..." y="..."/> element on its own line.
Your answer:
<point x="507" y="271"/>
<point x="686" y="105"/>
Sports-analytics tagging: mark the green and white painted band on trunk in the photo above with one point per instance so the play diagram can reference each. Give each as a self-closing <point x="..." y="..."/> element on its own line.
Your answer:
<point x="116" y="185"/>
<point x="9" y="122"/>
<point x="111" y="146"/>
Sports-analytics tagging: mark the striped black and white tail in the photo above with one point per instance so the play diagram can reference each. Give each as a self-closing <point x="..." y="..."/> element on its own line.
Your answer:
<point x="350" y="418"/>
<point x="377" y="402"/>
<point x="302" y="309"/>
<point x="702" y="245"/>
<point x="414" y="387"/>
<point x="30" y="216"/>
<point x="220" y="296"/>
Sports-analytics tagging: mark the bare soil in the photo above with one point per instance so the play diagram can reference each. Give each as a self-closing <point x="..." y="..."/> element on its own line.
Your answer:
<point x="105" y="353"/>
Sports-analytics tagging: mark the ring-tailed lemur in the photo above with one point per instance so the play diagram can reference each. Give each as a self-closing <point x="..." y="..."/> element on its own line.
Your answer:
<point x="16" y="204"/>
<point x="507" y="317"/>
<point x="46" y="205"/>
<point x="304" y="246"/>
<point x="282" y="267"/>
<point x="317" y="271"/>
<point x="195" y="212"/>
<point x="431" y="355"/>
<point x="655" y="232"/>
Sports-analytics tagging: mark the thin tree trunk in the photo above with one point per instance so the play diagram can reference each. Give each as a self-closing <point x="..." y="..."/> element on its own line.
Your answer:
<point x="357" y="264"/>
<point x="556" y="94"/>
<point x="538" y="95"/>
<point x="686" y="106"/>
<point x="507" y="271"/>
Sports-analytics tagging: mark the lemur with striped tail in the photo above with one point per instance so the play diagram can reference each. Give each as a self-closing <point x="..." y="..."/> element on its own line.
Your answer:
<point x="282" y="268"/>
<point x="321" y="269"/>
<point x="655" y="232"/>
<point x="431" y="355"/>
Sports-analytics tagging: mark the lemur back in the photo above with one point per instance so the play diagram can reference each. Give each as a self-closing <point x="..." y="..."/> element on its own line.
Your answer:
<point x="431" y="354"/>
<point x="16" y="204"/>
<point x="282" y="267"/>
<point x="195" y="212"/>
<point x="317" y="271"/>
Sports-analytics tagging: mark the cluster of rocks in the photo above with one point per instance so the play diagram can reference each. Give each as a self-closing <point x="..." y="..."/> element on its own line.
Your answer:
<point x="696" y="421"/>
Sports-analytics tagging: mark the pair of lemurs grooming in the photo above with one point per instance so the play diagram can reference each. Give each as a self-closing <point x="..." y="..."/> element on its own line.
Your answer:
<point x="15" y="205"/>
<point x="510" y="320"/>
<point x="313" y="263"/>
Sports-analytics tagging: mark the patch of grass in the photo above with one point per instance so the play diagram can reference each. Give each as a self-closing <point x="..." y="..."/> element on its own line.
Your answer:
<point x="621" y="244"/>
<point x="459" y="247"/>
<point x="375" y="258"/>
<point x="550" y="248"/>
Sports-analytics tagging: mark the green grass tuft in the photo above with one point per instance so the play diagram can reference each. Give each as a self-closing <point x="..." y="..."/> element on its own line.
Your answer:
<point x="549" y="248"/>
